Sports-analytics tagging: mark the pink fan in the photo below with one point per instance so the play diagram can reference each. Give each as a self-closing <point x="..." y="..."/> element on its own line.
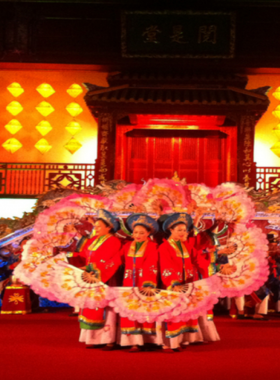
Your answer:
<point x="160" y="196"/>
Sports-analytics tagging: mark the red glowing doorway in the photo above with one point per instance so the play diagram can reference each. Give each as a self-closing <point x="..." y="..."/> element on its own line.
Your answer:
<point x="199" y="148"/>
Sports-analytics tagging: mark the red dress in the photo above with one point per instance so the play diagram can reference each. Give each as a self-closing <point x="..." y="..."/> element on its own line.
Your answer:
<point x="177" y="268"/>
<point x="103" y="254"/>
<point x="141" y="269"/>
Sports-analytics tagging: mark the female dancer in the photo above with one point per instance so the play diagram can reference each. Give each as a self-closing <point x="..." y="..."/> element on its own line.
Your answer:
<point x="141" y="260"/>
<point x="102" y="258"/>
<point x="179" y="263"/>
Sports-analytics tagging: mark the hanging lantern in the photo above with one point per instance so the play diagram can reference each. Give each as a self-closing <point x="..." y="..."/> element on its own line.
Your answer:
<point x="45" y="90"/>
<point x="43" y="146"/>
<point x="74" y="90"/>
<point x="276" y="112"/>
<point x="73" y="127"/>
<point x="276" y="149"/>
<point x="276" y="94"/>
<point x="14" y="108"/>
<point x="74" y="109"/>
<point x="72" y="146"/>
<point x="276" y="130"/>
<point x="45" y="108"/>
<point x="15" y="89"/>
<point x="12" y="145"/>
<point x="44" y="127"/>
<point x="13" y="126"/>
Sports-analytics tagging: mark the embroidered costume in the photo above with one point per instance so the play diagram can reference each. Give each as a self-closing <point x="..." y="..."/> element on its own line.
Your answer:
<point x="180" y="263"/>
<point x="141" y="270"/>
<point x="102" y="258"/>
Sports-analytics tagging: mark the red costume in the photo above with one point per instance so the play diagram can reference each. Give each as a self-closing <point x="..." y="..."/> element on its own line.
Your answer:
<point x="141" y="269"/>
<point x="179" y="264"/>
<point x="102" y="256"/>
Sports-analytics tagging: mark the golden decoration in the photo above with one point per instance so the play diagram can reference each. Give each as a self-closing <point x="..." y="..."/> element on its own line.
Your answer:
<point x="74" y="90"/>
<point x="74" y="109"/>
<point x="276" y="112"/>
<point x="14" y="108"/>
<point x="276" y="94"/>
<point x="16" y="298"/>
<point x="13" y="126"/>
<point x="276" y="149"/>
<point x="12" y="145"/>
<point x="73" y="127"/>
<point x="44" y="127"/>
<point x="43" y="146"/>
<point x="45" y="108"/>
<point x="175" y="177"/>
<point x="45" y="90"/>
<point x="73" y="145"/>
<point x="15" y="89"/>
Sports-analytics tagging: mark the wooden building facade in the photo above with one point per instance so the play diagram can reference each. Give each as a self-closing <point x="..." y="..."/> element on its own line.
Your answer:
<point x="176" y="98"/>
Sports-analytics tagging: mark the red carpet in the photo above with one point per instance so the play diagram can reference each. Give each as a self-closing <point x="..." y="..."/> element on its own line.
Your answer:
<point x="45" y="346"/>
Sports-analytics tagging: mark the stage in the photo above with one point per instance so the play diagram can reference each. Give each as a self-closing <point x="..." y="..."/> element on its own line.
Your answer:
<point x="45" y="346"/>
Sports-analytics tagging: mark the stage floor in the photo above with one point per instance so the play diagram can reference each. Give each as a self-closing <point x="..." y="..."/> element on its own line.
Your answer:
<point x="45" y="346"/>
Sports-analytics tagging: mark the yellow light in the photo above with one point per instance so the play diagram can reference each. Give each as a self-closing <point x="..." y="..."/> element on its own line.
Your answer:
<point x="43" y="146"/>
<point x="14" y="108"/>
<point x="73" y="127"/>
<point x="72" y="146"/>
<point x="15" y="89"/>
<point x="74" y="109"/>
<point x="74" y="90"/>
<point x="192" y="127"/>
<point x="276" y="149"/>
<point x="12" y="145"/>
<point x="44" y="127"/>
<point x="13" y="126"/>
<point x="276" y="112"/>
<point x="45" y="90"/>
<point x="45" y="108"/>
<point x="276" y="94"/>
<point x="276" y="130"/>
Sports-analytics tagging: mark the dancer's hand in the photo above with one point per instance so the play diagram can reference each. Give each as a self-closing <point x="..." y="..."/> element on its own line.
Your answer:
<point x="227" y="250"/>
<point x="227" y="269"/>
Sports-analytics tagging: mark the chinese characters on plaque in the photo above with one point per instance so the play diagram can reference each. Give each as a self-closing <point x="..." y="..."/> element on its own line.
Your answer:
<point x="247" y="125"/>
<point x="178" y="34"/>
<point x="104" y="128"/>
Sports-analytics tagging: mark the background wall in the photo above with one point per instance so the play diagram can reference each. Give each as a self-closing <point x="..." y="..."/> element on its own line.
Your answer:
<point x="60" y="79"/>
<point x="265" y="138"/>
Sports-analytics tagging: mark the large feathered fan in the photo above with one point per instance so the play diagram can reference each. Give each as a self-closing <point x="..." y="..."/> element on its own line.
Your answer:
<point x="75" y="287"/>
<point x="197" y="298"/>
<point x="160" y="196"/>
<point x="247" y="269"/>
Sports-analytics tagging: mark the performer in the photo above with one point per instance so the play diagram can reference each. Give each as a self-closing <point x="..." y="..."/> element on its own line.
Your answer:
<point x="141" y="269"/>
<point x="274" y="267"/>
<point x="179" y="261"/>
<point x="101" y="255"/>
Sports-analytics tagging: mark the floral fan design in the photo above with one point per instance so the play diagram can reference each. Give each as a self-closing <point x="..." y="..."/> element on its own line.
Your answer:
<point x="52" y="277"/>
<point x="123" y="201"/>
<point x="165" y="305"/>
<point x="160" y="196"/>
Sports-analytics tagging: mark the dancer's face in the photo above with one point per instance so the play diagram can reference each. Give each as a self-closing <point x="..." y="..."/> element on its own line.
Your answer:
<point x="140" y="234"/>
<point x="101" y="229"/>
<point x="179" y="232"/>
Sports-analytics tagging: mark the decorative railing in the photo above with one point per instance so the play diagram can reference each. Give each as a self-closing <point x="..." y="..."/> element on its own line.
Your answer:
<point x="27" y="180"/>
<point x="267" y="178"/>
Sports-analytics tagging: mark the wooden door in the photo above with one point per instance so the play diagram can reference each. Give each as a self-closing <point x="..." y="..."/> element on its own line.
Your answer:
<point x="198" y="156"/>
